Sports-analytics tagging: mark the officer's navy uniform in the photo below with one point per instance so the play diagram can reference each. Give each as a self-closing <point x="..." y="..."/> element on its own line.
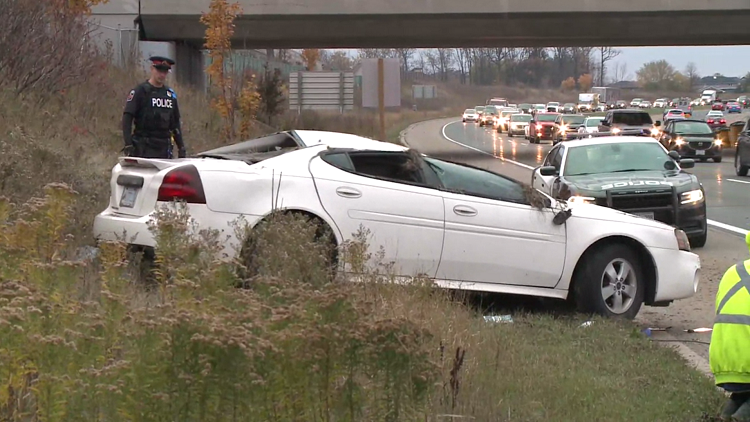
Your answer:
<point x="156" y="115"/>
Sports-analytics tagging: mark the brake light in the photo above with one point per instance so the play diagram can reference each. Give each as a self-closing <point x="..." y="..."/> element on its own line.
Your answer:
<point x="182" y="183"/>
<point x="722" y="121"/>
<point x="710" y="121"/>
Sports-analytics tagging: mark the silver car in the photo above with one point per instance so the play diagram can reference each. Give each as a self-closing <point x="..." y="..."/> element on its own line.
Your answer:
<point x="518" y="124"/>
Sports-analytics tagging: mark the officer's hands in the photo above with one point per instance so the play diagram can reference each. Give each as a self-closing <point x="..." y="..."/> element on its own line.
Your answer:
<point x="181" y="153"/>
<point x="128" y="150"/>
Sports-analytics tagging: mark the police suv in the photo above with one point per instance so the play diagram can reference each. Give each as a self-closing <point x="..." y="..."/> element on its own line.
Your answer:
<point x="633" y="174"/>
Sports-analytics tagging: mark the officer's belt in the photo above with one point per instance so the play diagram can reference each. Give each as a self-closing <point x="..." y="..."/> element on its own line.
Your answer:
<point x="154" y="141"/>
<point x="743" y="283"/>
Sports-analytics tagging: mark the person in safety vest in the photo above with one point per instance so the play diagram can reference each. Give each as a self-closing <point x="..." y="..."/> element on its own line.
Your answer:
<point x="729" y="352"/>
<point x="152" y="106"/>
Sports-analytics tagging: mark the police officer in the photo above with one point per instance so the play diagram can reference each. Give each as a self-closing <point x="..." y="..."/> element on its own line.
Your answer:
<point x="152" y="106"/>
<point x="729" y="352"/>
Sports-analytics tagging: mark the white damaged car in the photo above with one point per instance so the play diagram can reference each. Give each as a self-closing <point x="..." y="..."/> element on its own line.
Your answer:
<point x="465" y="227"/>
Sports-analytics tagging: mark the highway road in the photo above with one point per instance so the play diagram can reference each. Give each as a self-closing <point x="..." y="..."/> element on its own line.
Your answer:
<point x="728" y="204"/>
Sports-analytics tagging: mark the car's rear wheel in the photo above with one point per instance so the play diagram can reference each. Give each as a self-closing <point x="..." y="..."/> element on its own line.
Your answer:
<point x="610" y="282"/>
<point x="323" y="237"/>
<point x="738" y="167"/>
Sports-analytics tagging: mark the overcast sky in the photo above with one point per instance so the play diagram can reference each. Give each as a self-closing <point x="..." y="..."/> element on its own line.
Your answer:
<point x="727" y="60"/>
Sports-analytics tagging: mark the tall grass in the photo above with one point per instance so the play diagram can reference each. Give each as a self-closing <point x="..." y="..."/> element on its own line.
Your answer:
<point x="82" y="341"/>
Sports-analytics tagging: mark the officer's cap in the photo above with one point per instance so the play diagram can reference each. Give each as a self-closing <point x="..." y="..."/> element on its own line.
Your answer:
<point x="161" y="63"/>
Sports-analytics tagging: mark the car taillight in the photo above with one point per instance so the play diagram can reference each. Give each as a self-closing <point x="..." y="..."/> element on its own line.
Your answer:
<point x="710" y="121"/>
<point x="182" y="183"/>
<point x="722" y="121"/>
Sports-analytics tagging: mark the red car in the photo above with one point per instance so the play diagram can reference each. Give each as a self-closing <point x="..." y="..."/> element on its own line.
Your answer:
<point x="542" y="127"/>
<point x="718" y="105"/>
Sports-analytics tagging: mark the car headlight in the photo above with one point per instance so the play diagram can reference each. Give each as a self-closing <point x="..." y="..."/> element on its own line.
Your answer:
<point x="692" y="197"/>
<point x="582" y="199"/>
<point x="564" y="128"/>
<point x="616" y="130"/>
<point x="679" y="141"/>
<point x="682" y="240"/>
<point x="655" y="131"/>
<point x="718" y="142"/>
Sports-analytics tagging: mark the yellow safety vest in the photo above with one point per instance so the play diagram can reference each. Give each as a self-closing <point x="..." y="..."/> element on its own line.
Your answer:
<point x="729" y="352"/>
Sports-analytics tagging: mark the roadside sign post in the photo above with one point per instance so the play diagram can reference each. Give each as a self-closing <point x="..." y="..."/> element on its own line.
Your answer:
<point x="381" y="87"/>
<point x="381" y="97"/>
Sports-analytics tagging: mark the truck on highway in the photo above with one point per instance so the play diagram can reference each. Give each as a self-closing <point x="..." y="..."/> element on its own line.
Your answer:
<point x="497" y="102"/>
<point x="607" y="95"/>
<point x="587" y="101"/>
<point x="708" y="96"/>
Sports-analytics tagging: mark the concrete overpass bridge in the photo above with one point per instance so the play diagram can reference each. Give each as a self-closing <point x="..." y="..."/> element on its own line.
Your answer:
<point x="451" y="23"/>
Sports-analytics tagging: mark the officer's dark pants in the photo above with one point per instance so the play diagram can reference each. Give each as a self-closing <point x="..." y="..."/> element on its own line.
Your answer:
<point x="152" y="148"/>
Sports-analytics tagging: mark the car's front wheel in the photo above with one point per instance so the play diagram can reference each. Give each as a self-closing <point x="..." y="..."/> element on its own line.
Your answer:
<point x="610" y="282"/>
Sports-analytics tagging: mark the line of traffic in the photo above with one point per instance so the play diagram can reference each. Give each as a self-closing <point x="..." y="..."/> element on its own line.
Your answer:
<point x="717" y="224"/>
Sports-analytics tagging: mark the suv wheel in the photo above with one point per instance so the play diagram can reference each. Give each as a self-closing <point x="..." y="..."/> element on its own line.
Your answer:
<point x="738" y="167"/>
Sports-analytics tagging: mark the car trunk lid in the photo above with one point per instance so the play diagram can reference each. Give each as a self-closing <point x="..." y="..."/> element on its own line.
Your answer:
<point x="135" y="184"/>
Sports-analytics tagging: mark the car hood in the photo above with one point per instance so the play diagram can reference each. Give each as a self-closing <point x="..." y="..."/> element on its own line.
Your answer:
<point x="598" y="184"/>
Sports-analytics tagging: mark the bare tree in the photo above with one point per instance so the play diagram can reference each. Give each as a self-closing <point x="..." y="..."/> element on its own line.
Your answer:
<point x="445" y="61"/>
<point x="44" y="48"/>
<point x="404" y="55"/>
<point x="463" y="60"/>
<point x="336" y="60"/>
<point x="620" y="72"/>
<point x="606" y="54"/>
<point x="691" y="73"/>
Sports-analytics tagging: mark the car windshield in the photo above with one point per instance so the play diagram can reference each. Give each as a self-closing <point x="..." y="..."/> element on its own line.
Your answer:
<point x="633" y="119"/>
<point x="593" y="122"/>
<point x="508" y="113"/>
<point x="479" y="108"/>
<point x="715" y="114"/>
<point x="573" y="120"/>
<point x="546" y="117"/>
<point x="692" y="128"/>
<point x="520" y="118"/>
<point x="525" y="105"/>
<point x="490" y="110"/>
<point x="553" y="104"/>
<point x="470" y="111"/>
<point x="615" y="157"/>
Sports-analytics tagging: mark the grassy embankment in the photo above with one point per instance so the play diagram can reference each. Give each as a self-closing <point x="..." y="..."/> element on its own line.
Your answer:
<point x="80" y="341"/>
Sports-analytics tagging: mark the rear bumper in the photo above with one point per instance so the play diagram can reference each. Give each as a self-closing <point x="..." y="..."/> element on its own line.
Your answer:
<point x="678" y="274"/>
<point x="134" y="230"/>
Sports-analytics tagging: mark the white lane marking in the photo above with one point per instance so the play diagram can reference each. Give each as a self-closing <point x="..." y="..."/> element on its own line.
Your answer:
<point x="727" y="227"/>
<point x="717" y="224"/>
<point x="480" y="151"/>
<point x="738" y="181"/>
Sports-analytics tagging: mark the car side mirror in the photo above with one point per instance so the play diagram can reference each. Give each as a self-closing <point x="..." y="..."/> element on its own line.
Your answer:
<point x="658" y="123"/>
<point x="548" y="171"/>
<point x="687" y="163"/>
<point x="723" y="129"/>
<point x="674" y="155"/>
<point x="605" y="123"/>
<point x="532" y="121"/>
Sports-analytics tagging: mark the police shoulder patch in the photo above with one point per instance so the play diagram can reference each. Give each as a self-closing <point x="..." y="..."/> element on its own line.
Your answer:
<point x="171" y="92"/>
<point x="131" y="95"/>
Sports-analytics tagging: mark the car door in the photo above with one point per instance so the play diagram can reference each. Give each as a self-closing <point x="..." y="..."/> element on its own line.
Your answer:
<point x="554" y="159"/>
<point x="493" y="234"/>
<point x="388" y="195"/>
<point x="666" y="134"/>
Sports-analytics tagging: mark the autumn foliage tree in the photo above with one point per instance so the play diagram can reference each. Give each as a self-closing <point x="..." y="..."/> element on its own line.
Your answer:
<point x="568" y="84"/>
<point x="219" y="21"/>
<point x="585" y="81"/>
<point x="310" y="56"/>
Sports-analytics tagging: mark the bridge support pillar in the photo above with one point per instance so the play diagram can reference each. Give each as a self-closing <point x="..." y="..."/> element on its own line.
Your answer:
<point x="190" y="68"/>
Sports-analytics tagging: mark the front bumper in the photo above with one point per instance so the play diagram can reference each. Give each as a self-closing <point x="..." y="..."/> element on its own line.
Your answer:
<point x="542" y="132"/>
<point x="698" y="150"/>
<point x="663" y="206"/>
<point x="677" y="274"/>
<point x="517" y="130"/>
